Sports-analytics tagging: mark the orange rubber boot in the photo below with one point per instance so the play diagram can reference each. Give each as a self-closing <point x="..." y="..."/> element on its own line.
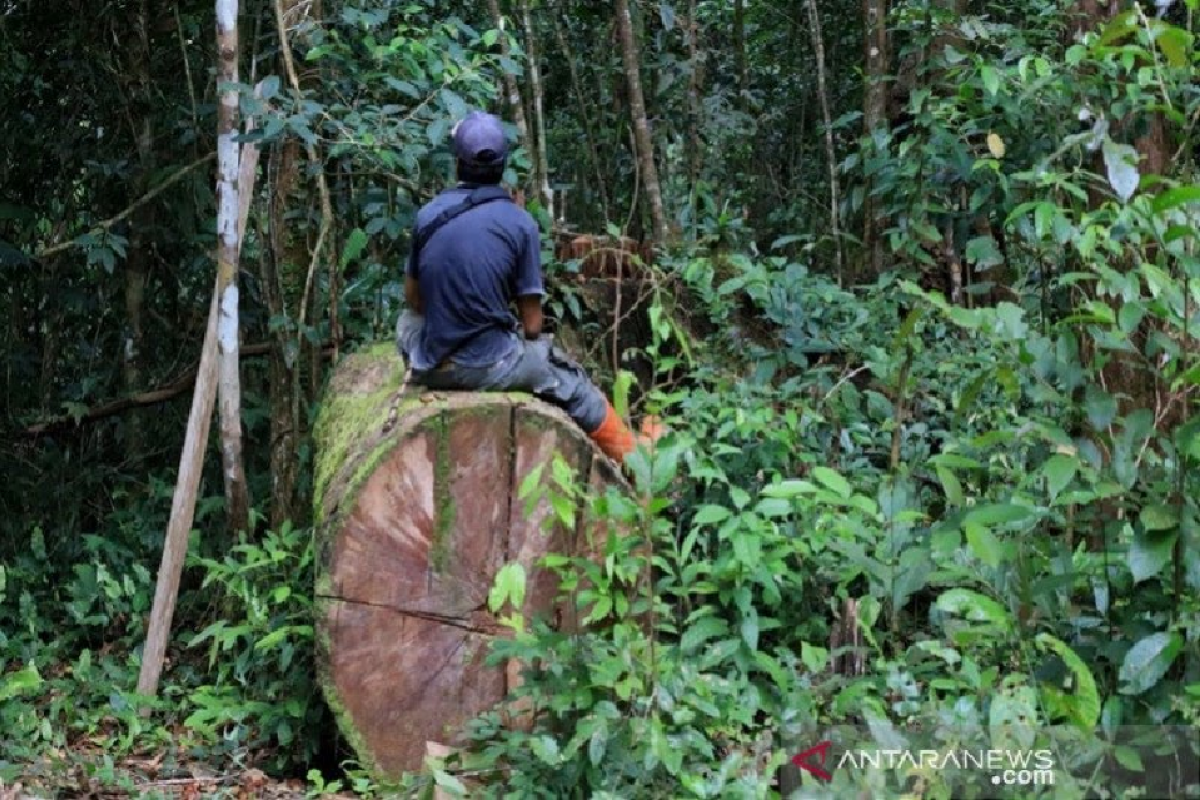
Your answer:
<point x="613" y="436"/>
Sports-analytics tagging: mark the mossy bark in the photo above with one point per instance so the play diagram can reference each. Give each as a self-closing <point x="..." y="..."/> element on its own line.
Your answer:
<point x="417" y="508"/>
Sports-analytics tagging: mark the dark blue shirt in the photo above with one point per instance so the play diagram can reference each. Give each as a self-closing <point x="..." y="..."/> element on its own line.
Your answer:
<point x="468" y="273"/>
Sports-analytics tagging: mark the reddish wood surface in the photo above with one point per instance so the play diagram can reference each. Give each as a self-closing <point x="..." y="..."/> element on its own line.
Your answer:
<point x="408" y="559"/>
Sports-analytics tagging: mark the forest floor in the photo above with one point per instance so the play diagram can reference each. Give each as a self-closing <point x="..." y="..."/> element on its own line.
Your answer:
<point x="87" y="772"/>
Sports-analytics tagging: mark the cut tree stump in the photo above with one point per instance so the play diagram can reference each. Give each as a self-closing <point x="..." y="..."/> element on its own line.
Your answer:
<point x="417" y="509"/>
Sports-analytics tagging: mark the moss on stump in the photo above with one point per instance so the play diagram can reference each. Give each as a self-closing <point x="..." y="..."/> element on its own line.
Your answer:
<point x="417" y="509"/>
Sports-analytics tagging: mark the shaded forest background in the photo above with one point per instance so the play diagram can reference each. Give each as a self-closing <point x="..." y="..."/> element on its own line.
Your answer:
<point x="913" y="280"/>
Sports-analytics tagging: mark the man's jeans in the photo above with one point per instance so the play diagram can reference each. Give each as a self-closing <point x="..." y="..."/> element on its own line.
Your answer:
<point x="537" y="367"/>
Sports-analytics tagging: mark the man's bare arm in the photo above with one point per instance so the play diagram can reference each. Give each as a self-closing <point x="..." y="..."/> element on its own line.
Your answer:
<point x="530" y="307"/>
<point x="412" y="294"/>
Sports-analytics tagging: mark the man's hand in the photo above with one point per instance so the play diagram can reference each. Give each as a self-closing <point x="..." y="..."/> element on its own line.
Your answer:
<point x="412" y="294"/>
<point x="530" y="307"/>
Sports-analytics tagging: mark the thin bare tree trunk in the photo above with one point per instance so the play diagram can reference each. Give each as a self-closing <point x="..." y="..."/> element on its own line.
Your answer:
<point x="739" y="50"/>
<point x="818" y="40"/>
<point x="641" y="127"/>
<point x="874" y="116"/>
<point x="512" y="90"/>
<point x="137" y="265"/>
<point x="191" y="463"/>
<point x="584" y="112"/>
<point x="228" y="373"/>
<point x="545" y="193"/>
<point x="695" y="106"/>
<point x="183" y="509"/>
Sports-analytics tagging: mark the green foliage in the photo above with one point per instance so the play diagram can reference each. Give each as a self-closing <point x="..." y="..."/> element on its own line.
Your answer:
<point x="997" y="471"/>
<point x="260" y="648"/>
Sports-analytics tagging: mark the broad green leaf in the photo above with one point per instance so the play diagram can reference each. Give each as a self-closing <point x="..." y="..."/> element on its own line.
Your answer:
<point x="1101" y="407"/>
<point x="1128" y="758"/>
<point x="1118" y="28"/>
<point x="975" y="607"/>
<point x="437" y="131"/>
<point x="701" y="631"/>
<point x="456" y="107"/>
<point x="597" y="745"/>
<point x="814" y="657"/>
<point x="1059" y="471"/>
<point x="1130" y="316"/>
<point x="951" y="485"/>
<point x="955" y="461"/>
<point x="1175" y="44"/>
<point x="1012" y="321"/>
<point x="990" y="78"/>
<point x="1081" y="700"/>
<point x="403" y="87"/>
<point x="1192" y="376"/>
<point x="984" y="544"/>
<point x="1173" y="198"/>
<point x="1121" y="161"/>
<point x="1159" y="517"/>
<point x="20" y="682"/>
<point x="600" y="610"/>
<point x="1148" y="660"/>
<point x="749" y="629"/>
<point x="1149" y="553"/>
<point x="997" y="514"/>
<point x="509" y="586"/>
<point x="531" y="482"/>
<point x="1176" y="232"/>
<point x="773" y="669"/>
<point x="941" y="650"/>
<point x="711" y="515"/>
<point x="356" y="242"/>
<point x="448" y="783"/>
<point x="788" y="489"/>
<point x="983" y="252"/>
<point x="546" y="748"/>
<point x="621" y="386"/>
<point x="269" y="87"/>
<point x="832" y="481"/>
<point x="774" y="507"/>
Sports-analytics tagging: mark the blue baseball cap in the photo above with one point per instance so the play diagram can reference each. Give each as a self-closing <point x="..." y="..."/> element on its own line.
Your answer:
<point x="480" y="140"/>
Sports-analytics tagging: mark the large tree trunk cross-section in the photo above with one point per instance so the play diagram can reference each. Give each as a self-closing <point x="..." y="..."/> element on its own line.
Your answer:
<point x="418" y="507"/>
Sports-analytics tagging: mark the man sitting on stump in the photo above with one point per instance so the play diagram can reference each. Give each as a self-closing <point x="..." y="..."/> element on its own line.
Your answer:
<point x="474" y="252"/>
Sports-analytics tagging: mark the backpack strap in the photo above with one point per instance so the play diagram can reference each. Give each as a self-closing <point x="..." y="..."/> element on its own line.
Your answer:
<point x="477" y="197"/>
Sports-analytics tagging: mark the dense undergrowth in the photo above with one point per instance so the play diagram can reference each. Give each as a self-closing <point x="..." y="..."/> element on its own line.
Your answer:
<point x="995" y="501"/>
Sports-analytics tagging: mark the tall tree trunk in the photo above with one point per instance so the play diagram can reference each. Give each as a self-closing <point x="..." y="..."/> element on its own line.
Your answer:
<point x="137" y="265"/>
<point x="695" y="106"/>
<point x="585" y="114"/>
<point x="875" y="98"/>
<point x="739" y="50"/>
<point x="512" y="89"/>
<point x="289" y="273"/>
<point x="641" y="127"/>
<point x="228" y="376"/>
<point x="818" y="40"/>
<point x="283" y="285"/>
<point x="544" y="192"/>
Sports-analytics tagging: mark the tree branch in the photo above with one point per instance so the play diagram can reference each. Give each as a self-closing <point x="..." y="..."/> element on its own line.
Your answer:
<point x="162" y="394"/>
<point x="146" y="198"/>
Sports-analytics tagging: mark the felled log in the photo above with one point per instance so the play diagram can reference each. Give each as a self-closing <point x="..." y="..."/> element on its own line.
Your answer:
<point x="417" y="509"/>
